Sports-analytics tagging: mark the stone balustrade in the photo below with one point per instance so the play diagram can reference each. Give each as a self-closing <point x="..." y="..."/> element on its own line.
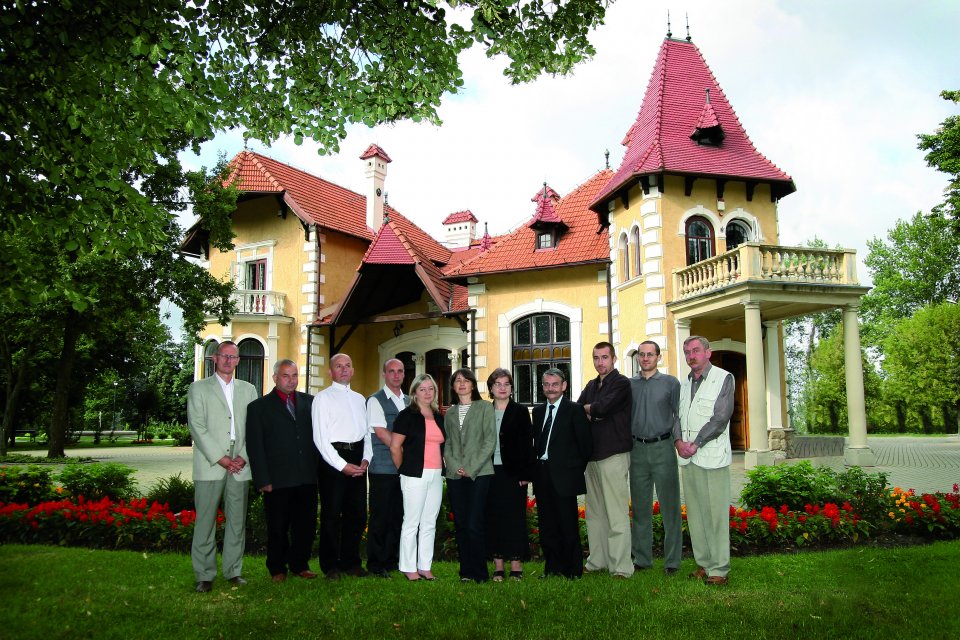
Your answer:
<point x="258" y="302"/>
<point x="768" y="263"/>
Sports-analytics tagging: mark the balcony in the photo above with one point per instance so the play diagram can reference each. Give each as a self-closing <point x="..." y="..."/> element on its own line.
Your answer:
<point x="752" y="261"/>
<point x="259" y="302"/>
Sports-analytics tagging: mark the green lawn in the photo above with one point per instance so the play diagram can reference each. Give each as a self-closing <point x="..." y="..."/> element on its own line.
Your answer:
<point x="873" y="593"/>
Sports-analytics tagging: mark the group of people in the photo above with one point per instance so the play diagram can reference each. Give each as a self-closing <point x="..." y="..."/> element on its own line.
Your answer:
<point x="621" y="440"/>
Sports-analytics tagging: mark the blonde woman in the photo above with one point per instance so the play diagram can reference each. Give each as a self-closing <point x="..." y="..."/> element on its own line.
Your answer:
<point x="417" y="451"/>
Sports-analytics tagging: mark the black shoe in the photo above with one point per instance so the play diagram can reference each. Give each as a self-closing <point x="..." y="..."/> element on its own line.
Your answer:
<point x="333" y="575"/>
<point x="637" y="567"/>
<point x="237" y="581"/>
<point x="381" y="573"/>
<point x="669" y="571"/>
<point x="357" y="572"/>
<point x="204" y="586"/>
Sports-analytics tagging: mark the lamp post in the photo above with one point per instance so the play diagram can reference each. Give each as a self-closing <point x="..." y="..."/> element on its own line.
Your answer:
<point x="113" y="410"/>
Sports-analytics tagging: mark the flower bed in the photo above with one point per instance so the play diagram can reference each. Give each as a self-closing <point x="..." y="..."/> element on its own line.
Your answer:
<point x="137" y="525"/>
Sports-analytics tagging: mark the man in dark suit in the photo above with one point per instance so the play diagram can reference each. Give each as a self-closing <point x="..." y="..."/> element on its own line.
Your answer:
<point x="284" y="461"/>
<point x="563" y="446"/>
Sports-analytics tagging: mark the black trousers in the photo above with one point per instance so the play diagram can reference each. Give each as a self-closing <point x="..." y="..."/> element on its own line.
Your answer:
<point x="343" y="514"/>
<point x="559" y="528"/>
<point x="507" y="517"/>
<point x="386" y="517"/>
<point x="291" y="514"/>
<point x="468" y="499"/>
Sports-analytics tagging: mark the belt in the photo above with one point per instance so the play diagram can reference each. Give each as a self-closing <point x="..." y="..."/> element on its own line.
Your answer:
<point x="347" y="446"/>
<point x="662" y="436"/>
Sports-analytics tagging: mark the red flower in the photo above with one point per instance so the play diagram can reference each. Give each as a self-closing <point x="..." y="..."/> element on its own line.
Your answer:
<point x="784" y="509"/>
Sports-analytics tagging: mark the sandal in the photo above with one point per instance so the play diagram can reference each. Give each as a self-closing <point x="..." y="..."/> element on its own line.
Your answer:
<point x="516" y="575"/>
<point x="498" y="575"/>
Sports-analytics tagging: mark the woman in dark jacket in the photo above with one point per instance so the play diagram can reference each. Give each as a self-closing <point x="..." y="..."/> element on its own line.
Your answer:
<point x="513" y="469"/>
<point x="417" y="451"/>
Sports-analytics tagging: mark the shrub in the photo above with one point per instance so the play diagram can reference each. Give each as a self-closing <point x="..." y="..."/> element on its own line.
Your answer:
<point x="99" y="480"/>
<point x="181" y="435"/>
<point x="25" y="485"/>
<point x="867" y="492"/>
<point x="794" y="485"/>
<point x="174" y="492"/>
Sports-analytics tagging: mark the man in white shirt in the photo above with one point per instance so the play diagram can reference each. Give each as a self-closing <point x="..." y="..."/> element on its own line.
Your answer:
<point x="386" y="501"/>
<point x="341" y="435"/>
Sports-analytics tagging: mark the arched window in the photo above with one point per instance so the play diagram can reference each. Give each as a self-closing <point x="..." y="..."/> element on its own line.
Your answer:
<point x="250" y="367"/>
<point x="635" y="249"/>
<point x="634" y="362"/>
<point x="624" y="258"/>
<point x="540" y="342"/>
<point x="209" y="350"/>
<point x="737" y="234"/>
<point x="699" y="239"/>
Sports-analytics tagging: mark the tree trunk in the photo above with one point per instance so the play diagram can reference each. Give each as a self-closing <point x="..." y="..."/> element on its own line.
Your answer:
<point x="61" y="394"/>
<point x="15" y="380"/>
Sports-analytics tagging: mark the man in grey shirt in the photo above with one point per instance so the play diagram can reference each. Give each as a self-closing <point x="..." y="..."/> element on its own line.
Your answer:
<point x="706" y="404"/>
<point x="653" y="461"/>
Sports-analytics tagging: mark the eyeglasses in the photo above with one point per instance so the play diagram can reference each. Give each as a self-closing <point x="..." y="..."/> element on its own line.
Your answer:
<point x="228" y="357"/>
<point x="647" y="354"/>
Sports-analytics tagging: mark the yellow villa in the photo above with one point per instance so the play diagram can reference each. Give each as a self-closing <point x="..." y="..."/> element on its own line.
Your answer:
<point x="681" y="239"/>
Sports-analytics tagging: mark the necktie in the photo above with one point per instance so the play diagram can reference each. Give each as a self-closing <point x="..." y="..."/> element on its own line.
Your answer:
<point x="290" y="407"/>
<point x="545" y="438"/>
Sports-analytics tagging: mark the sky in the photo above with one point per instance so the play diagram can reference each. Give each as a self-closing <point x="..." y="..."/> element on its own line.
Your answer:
<point x="834" y="93"/>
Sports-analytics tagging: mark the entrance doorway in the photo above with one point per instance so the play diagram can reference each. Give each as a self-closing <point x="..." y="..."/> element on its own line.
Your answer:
<point x="736" y="363"/>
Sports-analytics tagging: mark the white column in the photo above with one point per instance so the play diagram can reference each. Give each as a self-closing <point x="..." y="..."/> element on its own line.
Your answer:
<point x="776" y="437"/>
<point x="273" y="341"/>
<point x="682" y="326"/>
<point x="759" y="448"/>
<point x="858" y="452"/>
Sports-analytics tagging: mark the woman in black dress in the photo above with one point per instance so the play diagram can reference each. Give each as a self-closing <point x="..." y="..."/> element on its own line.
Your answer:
<point x="512" y="471"/>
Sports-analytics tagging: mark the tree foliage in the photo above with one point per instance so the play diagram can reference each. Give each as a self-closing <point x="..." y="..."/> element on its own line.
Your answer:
<point x="100" y="96"/>
<point x="827" y="400"/>
<point x="943" y="154"/>
<point x="916" y="266"/>
<point x="922" y="366"/>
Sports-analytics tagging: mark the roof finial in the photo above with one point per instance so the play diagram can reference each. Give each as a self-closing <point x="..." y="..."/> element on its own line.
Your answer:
<point x="687" y="16"/>
<point x="544" y="189"/>
<point x="669" y="32"/>
<point x="606" y="155"/>
<point x="386" y="196"/>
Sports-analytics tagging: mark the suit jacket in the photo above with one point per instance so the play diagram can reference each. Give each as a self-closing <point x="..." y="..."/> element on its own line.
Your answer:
<point x="570" y="448"/>
<point x="470" y="448"/>
<point x="281" y="448"/>
<point x="516" y="442"/>
<point x="610" y="411"/>
<point x="209" y="419"/>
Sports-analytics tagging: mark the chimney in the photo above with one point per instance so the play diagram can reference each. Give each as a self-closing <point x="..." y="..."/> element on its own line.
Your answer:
<point x="376" y="160"/>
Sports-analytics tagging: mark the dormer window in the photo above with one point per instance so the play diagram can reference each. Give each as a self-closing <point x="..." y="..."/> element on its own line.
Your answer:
<point x="546" y="239"/>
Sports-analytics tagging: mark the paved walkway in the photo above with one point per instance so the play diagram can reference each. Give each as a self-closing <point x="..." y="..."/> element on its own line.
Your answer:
<point x="922" y="464"/>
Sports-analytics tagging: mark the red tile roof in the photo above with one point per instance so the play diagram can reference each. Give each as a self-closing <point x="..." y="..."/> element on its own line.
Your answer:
<point x="584" y="242"/>
<point x="546" y="212"/>
<point x="673" y="107"/>
<point x="324" y="203"/>
<point x="311" y="198"/>
<point x="460" y="216"/>
<point x="374" y="150"/>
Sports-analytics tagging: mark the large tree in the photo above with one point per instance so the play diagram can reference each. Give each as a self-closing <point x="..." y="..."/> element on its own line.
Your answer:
<point x="943" y="154"/>
<point x="100" y="97"/>
<point x="918" y="264"/>
<point x="922" y="366"/>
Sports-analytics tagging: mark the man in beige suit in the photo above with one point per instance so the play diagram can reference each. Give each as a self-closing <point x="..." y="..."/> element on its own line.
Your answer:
<point x="217" y="415"/>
